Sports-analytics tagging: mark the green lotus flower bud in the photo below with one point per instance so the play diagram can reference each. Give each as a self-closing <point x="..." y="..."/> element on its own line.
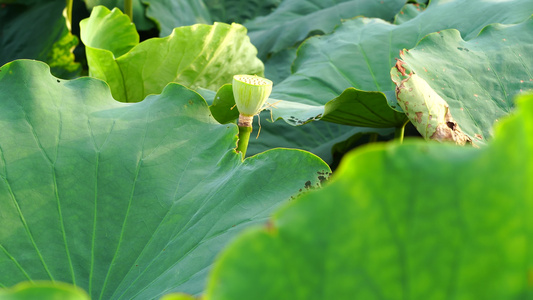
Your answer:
<point x="250" y="93"/>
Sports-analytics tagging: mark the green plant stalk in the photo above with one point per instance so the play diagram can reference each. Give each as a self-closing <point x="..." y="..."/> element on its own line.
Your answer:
<point x="244" y="138"/>
<point x="245" y="128"/>
<point x="373" y="138"/>
<point x="400" y="131"/>
<point x="69" y="15"/>
<point x="128" y="8"/>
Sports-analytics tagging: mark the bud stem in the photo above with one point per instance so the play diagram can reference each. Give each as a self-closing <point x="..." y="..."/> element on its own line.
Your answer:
<point x="245" y="128"/>
<point x="128" y="8"/>
<point x="400" y="131"/>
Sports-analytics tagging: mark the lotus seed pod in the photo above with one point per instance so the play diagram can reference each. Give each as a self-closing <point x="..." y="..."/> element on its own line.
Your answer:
<point x="250" y="93"/>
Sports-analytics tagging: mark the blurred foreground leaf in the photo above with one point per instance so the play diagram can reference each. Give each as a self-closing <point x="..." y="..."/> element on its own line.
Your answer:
<point x="413" y="221"/>
<point x="43" y="290"/>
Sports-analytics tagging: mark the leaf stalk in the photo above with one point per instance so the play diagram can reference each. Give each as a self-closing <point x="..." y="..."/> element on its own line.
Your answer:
<point x="400" y="132"/>
<point x="128" y="8"/>
<point x="245" y="129"/>
<point x="68" y="16"/>
<point x="373" y="138"/>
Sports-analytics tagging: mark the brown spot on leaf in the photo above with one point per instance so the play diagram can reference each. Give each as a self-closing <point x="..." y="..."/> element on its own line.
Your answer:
<point x="399" y="65"/>
<point x="419" y="116"/>
<point x="308" y="184"/>
<point x="451" y="125"/>
<point x="450" y="131"/>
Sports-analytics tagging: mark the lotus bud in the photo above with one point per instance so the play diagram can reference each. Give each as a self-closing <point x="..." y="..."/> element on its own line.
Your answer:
<point x="250" y="93"/>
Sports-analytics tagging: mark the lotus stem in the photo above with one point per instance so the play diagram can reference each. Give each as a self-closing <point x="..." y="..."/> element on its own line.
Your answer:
<point x="68" y="15"/>
<point x="245" y="128"/>
<point x="400" y="132"/>
<point x="128" y="8"/>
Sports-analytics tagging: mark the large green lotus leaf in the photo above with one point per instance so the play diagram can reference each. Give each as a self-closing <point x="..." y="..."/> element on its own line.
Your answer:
<point x="408" y="12"/>
<point x="38" y="31"/>
<point x="278" y="65"/>
<point x="239" y="11"/>
<point x="169" y="14"/>
<point x="478" y="78"/>
<point x="126" y="200"/>
<point x="43" y="291"/>
<point x="294" y="20"/>
<point x="361" y="52"/>
<point x="201" y="55"/>
<point x="413" y="221"/>
<point x="139" y="11"/>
